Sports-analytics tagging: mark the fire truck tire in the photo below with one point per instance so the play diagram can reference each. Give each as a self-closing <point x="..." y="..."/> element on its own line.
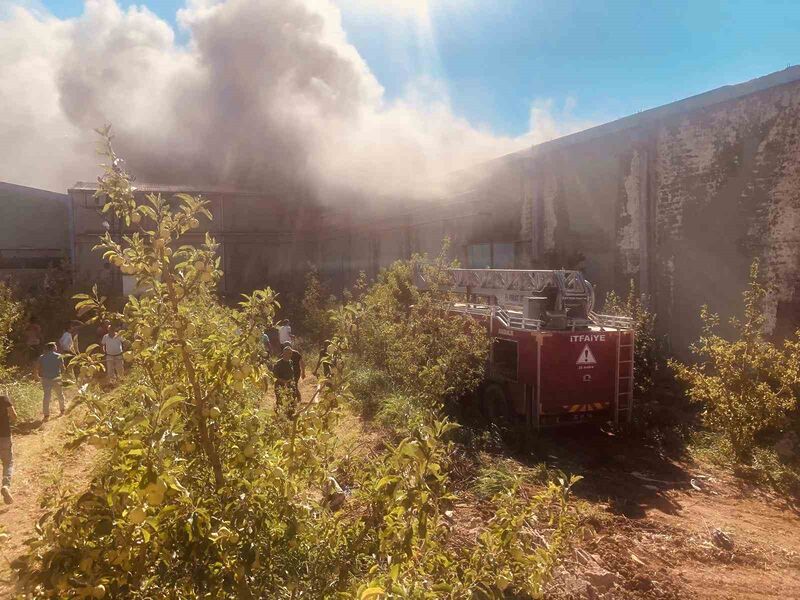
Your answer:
<point x="494" y="404"/>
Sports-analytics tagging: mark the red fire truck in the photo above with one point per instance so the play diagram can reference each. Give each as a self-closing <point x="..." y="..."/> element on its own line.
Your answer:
<point x="552" y="359"/>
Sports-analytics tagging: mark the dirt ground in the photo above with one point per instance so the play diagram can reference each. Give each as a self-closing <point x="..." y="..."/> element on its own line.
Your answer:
<point x="667" y="528"/>
<point x="43" y="471"/>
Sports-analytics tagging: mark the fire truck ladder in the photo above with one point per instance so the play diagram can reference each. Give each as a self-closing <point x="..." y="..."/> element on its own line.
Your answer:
<point x="623" y="393"/>
<point x="506" y="319"/>
<point x="510" y="286"/>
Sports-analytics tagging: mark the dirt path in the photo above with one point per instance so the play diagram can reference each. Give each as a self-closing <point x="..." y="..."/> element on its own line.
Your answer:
<point x="658" y="536"/>
<point x="43" y="471"/>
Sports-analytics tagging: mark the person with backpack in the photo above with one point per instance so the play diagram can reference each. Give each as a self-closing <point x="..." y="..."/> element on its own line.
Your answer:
<point x="8" y="415"/>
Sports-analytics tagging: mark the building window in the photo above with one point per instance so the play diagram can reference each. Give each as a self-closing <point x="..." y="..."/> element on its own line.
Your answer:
<point x="490" y="256"/>
<point x="502" y="256"/>
<point x="479" y="256"/>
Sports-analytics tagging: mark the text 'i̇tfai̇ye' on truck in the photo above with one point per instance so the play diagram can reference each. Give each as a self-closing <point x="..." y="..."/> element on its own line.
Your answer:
<point x="553" y="359"/>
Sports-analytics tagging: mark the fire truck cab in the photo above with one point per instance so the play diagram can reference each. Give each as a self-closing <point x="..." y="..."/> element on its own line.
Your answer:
<point x="552" y="359"/>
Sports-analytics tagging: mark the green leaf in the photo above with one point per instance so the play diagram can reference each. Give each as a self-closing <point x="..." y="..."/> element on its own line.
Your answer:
<point x="372" y="592"/>
<point x="169" y="404"/>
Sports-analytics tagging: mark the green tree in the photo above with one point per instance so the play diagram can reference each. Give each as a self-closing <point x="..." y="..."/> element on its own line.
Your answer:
<point x="747" y="384"/>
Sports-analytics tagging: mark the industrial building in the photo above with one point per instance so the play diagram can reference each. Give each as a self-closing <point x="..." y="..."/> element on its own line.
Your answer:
<point x="680" y="199"/>
<point x="262" y="239"/>
<point x="34" y="234"/>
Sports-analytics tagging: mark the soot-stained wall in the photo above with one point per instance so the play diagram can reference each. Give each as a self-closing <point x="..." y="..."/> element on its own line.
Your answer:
<point x="727" y="191"/>
<point x="682" y="203"/>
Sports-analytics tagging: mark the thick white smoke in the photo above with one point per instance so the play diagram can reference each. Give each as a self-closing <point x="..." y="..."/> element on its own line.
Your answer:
<point x="266" y="94"/>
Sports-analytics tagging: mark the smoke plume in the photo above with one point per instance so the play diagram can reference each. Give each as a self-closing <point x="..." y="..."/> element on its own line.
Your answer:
<point x="265" y="94"/>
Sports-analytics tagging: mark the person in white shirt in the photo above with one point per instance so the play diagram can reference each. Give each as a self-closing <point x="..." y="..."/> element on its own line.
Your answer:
<point x="284" y="332"/>
<point x="67" y="343"/>
<point x="112" y="346"/>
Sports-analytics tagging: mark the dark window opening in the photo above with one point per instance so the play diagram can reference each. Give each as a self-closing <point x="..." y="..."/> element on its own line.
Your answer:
<point x="28" y="262"/>
<point x="504" y="359"/>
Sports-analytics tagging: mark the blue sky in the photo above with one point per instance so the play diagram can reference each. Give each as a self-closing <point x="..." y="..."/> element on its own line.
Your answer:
<point x="592" y="61"/>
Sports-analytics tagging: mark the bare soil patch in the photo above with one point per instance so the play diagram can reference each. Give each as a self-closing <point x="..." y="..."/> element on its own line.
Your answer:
<point x="673" y="528"/>
<point x="44" y="471"/>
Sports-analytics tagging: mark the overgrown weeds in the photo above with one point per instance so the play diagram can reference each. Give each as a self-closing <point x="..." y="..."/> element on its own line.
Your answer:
<point x="11" y="311"/>
<point x="649" y="355"/>
<point x="26" y="394"/>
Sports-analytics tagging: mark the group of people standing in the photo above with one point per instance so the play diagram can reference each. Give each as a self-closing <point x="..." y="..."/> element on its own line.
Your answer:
<point x="290" y="368"/>
<point x="50" y="365"/>
<point x="50" y="362"/>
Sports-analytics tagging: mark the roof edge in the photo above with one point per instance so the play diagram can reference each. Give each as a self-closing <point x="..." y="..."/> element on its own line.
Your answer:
<point x="719" y="95"/>
<point x="61" y="195"/>
<point x="86" y="186"/>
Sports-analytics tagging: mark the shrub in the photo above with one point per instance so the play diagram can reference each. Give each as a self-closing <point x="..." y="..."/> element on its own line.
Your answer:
<point x="368" y="386"/>
<point x="401" y="413"/>
<point x="746" y="385"/>
<point x="26" y="394"/>
<point x="425" y="350"/>
<point x="11" y="310"/>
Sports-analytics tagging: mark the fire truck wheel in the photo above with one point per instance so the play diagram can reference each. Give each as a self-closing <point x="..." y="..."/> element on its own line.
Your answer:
<point x="494" y="405"/>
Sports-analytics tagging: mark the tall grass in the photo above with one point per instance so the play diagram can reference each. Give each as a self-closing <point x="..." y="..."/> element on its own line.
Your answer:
<point x="26" y="394"/>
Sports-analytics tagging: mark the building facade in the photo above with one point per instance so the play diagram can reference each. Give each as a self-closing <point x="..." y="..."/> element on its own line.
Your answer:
<point x="34" y="234"/>
<point x="262" y="240"/>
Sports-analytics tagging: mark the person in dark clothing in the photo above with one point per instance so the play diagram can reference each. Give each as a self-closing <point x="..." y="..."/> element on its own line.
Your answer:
<point x="324" y="361"/>
<point x="286" y="392"/>
<point x="8" y="415"/>
<point x="299" y="366"/>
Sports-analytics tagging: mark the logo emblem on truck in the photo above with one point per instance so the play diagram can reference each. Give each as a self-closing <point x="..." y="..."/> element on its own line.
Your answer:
<point x="586" y="357"/>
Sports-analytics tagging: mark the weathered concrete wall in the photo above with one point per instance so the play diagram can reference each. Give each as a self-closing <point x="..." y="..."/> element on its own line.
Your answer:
<point x="728" y="191"/>
<point x="682" y="204"/>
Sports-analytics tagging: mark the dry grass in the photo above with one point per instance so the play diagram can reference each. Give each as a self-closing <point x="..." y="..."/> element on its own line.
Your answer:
<point x="26" y="394"/>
